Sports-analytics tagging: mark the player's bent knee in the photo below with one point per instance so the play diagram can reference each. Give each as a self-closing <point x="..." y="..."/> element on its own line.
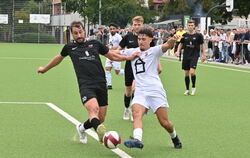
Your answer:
<point x="94" y="111"/>
<point x="136" y="114"/>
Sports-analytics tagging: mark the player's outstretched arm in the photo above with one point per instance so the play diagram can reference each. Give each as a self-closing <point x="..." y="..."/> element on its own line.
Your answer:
<point x="55" y="61"/>
<point x="204" y="56"/>
<point x="115" y="55"/>
<point x="170" y="43"/>
<point x="179" y="49"/>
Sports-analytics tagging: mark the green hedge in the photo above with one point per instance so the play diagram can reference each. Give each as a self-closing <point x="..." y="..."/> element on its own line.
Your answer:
<point x="33" y="38"/>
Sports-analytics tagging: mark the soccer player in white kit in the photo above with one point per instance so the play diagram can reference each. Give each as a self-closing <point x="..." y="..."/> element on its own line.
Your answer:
<point x="149" y="91"/>
<point x="114" y="40"/>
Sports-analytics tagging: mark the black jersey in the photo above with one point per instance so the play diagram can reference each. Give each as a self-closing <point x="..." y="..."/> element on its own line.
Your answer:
<point x="191" y="45"/>
<point x="87" y="63"/>
<point x="131" y="41"/>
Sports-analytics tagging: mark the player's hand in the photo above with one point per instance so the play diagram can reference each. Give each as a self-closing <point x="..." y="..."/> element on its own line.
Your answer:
<point x="177" y="53"/>
<point x="41" y="70"/>
<point x="203" y="58"/>
<point x="171" y="41"/>
<point x="133" y="56"/>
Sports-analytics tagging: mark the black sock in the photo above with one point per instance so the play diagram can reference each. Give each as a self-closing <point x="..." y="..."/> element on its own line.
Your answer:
<point x="127" y="101"/>
<point x="95" y="122"/>
<point x="193" y="78"/>
<point x="187" y="81"/>
<point x="87" y="124"/>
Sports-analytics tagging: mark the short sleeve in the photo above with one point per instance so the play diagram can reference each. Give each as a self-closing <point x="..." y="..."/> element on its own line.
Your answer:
<point x="183" y="38"/>
<point x="158" y="50"/>
<point x="201" y="39"/>
<point x="102" y="49"/>
<point x="123" y="42"/>
<point x="64" y="51"/>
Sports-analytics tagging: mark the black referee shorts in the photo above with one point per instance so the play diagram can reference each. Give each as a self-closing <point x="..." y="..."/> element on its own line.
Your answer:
<point x="187" y="64"/>
<point x="129" y="77"/>
<point x="98" y="91"/>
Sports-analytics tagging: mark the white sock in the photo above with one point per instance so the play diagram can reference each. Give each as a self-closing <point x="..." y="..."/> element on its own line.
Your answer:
<point x="173" y="134"/>
<point x="108" y="77"/>
<point x="121" y="72"/>
<point x="81" y="127"/>
<point x="137" y="133"/>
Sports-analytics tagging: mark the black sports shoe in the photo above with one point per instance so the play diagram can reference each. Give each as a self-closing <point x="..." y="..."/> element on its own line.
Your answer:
<point x="109" y="87"/>
<point x="177" y="142"/>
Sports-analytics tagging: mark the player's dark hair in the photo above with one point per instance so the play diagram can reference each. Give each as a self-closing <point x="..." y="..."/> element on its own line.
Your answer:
<point x="114" y="25"/>
<point x="146" y="32"/>
<point x="191" y="21"/>
<point x="77" y="24"/>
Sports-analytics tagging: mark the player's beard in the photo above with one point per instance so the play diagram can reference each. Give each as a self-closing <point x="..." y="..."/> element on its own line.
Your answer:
<point x="113" y="33"/>
<point x="83" y="39"/>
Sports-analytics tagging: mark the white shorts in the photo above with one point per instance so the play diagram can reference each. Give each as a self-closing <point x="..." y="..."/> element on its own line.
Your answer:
<point x="115" y="64"/>
<point x="151" y="100"/>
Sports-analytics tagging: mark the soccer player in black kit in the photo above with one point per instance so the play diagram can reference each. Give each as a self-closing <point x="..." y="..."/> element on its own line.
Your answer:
<point x="191" y="42"/>
<point x="90" y="75"/>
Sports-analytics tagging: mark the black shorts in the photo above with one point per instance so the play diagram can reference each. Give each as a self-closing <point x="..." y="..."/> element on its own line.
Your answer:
<point x="129" y="77"/>
<point x="187" y="64"/>
<point x="98" y="91"/>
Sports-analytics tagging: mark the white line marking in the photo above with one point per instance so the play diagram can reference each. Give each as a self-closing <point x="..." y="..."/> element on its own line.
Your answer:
<point x="17" y="58"/>
<point x="93" y="134"/>
<point x="212" y="66"/>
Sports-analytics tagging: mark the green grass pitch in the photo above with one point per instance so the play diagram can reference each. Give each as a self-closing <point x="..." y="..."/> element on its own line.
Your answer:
<point x="212" y="124"/>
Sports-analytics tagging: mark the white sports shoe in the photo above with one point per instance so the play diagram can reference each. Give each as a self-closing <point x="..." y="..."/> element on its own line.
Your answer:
<point x="126" y="114"/>
<point x="193" y="91"/>
<point x="186" y="92"/>
<point x="82" y="134"/>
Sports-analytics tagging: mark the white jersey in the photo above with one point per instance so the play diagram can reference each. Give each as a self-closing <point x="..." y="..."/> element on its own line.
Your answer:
<point x="149" y="91"/>
<point x="145" y="68"/>
<point x="114" y="40"/>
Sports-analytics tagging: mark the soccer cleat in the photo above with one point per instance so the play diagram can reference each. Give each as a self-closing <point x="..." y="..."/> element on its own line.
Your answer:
<point x="193" y="91"/>
<point x="133" y="143"/>
<point x="126" y="114"/>
<point x="109" y="87"/>
<point x="101" y="130"/>
<point x="186" y="92"/>
<point x="177" y="143"/>
<point x="82" y="134"/>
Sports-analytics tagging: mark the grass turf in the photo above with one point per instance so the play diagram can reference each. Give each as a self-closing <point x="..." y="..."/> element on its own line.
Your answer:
<point x="213" y="123"/>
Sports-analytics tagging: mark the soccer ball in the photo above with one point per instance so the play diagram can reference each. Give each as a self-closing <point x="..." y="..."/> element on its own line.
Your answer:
<point x="111" y="139"/>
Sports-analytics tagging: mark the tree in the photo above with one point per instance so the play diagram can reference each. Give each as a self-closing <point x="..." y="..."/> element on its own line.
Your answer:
<point x="222" y="16"/>
<point x="117" y="11"/>
<point x="175" y="7"/>
<point x="190" y="7"/>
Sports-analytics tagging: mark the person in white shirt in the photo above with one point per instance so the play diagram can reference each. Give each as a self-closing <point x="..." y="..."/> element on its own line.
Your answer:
<point x="149" y="91"/>
<point x="114" y="40"/>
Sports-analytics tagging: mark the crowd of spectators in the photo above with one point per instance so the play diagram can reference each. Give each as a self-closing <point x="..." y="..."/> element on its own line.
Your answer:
<point x="223" y="45"/>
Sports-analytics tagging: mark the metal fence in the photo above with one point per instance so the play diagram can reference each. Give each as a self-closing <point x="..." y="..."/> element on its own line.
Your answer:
<point x="18" y="28"/>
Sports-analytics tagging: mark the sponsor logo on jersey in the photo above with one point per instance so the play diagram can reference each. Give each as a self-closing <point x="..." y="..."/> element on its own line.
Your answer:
<point x="74" y="48"/>
<point x="130" y="41"/>
<point x="87" y="53"/>
<point x="84" y="99"/>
